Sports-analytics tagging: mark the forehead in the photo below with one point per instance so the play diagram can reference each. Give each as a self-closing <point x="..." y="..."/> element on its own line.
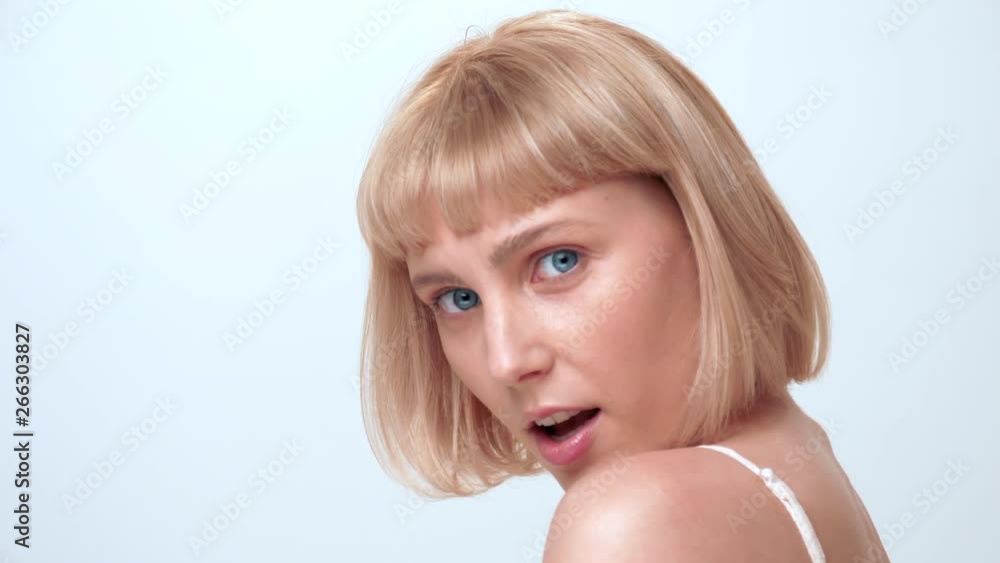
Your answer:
<point x="627" y="202"/>
<point x="496" y="223"/>
<point x="489" y="215"/>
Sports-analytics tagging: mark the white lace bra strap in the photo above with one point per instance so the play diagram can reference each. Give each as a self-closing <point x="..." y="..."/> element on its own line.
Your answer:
<point x="787" y="498"/>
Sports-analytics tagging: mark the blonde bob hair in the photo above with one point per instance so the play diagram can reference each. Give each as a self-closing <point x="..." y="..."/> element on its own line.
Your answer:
<point x="546" y="103"/>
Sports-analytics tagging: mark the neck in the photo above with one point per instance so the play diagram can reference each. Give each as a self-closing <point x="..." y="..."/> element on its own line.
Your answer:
<point x="766" y="414"/>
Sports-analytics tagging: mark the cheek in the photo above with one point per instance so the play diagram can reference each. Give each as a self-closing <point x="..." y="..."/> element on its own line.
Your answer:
<point x="642" y="330"/>
<point x="470" y="368"/>
<point x="461" y="361"/>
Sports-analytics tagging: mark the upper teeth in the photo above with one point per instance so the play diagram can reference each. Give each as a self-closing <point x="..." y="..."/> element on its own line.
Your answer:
<point x="558" y="417"/>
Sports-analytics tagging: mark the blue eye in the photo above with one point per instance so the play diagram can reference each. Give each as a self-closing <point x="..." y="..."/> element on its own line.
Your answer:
<point x="563" y="260"/>
<point x="464" y="299"/>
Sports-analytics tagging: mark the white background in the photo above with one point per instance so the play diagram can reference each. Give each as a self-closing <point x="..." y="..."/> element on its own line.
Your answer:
<point x="65" y="233"/>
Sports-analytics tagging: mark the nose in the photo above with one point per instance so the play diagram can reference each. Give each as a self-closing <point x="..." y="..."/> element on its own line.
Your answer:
<point x="515" y="347"/>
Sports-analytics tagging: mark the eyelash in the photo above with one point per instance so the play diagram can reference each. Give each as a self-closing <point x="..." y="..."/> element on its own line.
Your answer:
<point x="435" y="301"/>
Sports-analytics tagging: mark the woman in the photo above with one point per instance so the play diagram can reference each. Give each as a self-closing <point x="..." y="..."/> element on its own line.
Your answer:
<point x="579" y="268"/>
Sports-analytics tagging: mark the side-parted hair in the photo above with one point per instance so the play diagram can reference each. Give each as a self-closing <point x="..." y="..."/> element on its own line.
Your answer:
<point x="548" y="102"/>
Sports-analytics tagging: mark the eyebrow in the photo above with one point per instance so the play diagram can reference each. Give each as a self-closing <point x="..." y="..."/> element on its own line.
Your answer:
<point x="503" y="251"/>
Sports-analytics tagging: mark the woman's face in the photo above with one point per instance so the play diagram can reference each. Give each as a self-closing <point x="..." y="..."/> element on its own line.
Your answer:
<point x="589" y="302"/>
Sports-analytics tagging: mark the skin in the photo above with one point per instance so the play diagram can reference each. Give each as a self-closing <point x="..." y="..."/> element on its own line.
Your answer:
<point x="514" y="334"/>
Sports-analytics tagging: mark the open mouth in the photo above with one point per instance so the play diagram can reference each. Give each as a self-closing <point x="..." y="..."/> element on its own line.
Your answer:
<point x="565" y="429"/>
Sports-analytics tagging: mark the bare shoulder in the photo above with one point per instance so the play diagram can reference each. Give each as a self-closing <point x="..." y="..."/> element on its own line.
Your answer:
<point x="655" y="506"/>
<point x="695" y="504"/>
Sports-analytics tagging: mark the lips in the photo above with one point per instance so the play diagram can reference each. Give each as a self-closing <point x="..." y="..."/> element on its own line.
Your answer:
<point x="562" y="425"/>
<point x="574" y="440"/>
<point x="535" y="415"/>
